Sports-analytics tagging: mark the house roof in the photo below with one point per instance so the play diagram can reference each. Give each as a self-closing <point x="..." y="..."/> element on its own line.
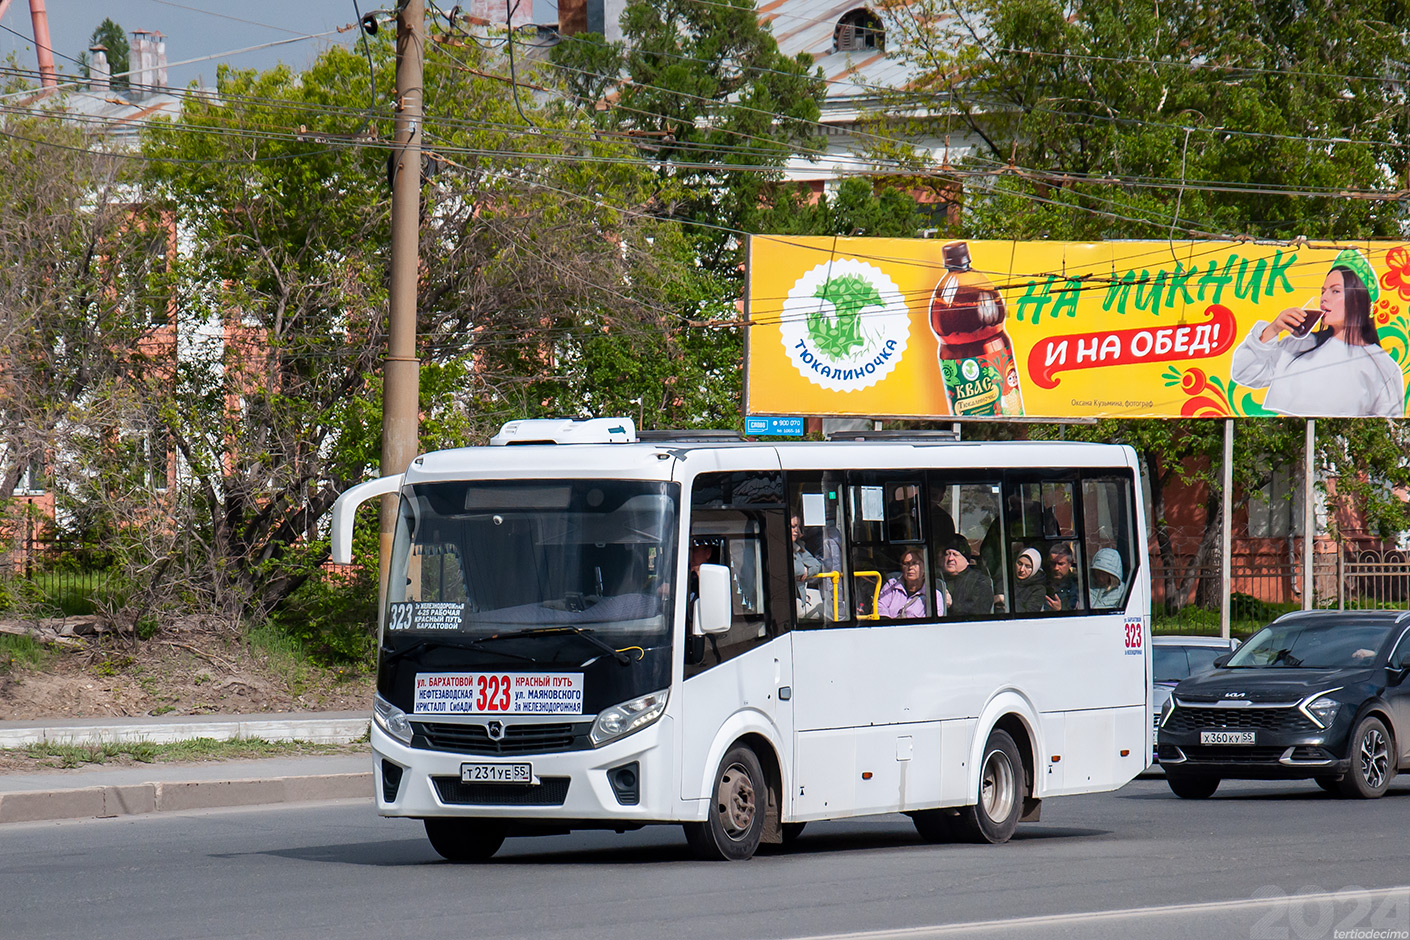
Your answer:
<point x="116" y="115"/>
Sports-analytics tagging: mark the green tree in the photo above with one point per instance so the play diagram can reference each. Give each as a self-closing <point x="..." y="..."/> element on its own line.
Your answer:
<point x="1106" y="119"/>
<point x="713" y="105"/>
<point x="281" y="289"/>
<point x="75" y="274"/>
<point x="110" y="36"/>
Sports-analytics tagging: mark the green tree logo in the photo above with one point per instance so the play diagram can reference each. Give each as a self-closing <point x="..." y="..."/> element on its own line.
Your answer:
<point x="838" y="335"/>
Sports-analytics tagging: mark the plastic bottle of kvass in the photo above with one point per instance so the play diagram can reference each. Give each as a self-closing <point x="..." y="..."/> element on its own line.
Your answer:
<point x="976" y="355"/>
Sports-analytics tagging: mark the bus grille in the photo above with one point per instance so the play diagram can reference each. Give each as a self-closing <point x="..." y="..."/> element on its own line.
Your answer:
<point x="1283" y="720"/>
<point x="550" y="791"/>
<point x="518" y="739"/>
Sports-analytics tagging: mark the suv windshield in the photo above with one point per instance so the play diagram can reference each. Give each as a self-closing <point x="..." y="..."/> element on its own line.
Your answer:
<point x="1312" y="645"/>
<point x="479" y="558"/>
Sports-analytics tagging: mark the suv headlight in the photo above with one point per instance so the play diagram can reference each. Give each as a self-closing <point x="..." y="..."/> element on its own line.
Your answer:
<point x="392" y="719"/>
<point x="627" y="717"/>
<point x="1322" y="709"/>
<point x="1166" y="709"/>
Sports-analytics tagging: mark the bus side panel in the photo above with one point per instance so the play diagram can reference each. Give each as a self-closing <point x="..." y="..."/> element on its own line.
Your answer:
<point x="825" y="784"/>
<point x="857" y="771"/>
<point x="1092" y="749"/>
<point x="1051" y="773"/>
<point x="747" y="683"/>
<point x="956" y="737"/>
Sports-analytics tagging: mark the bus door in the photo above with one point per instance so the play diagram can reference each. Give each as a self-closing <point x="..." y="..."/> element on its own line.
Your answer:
<point x="742" y="678"/>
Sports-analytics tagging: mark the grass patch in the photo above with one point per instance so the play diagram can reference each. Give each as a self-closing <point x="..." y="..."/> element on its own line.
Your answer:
<point x="23" y="651"/>
<point x="285" y="654"/>
<point x="141" y="752"/>
<point x="297" y="664"/>
<point x="1192" y="621"/>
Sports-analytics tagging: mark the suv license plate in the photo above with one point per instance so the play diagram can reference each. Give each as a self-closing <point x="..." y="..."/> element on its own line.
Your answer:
<point x="497" y="773"/>
<point x="1226" y="737"/>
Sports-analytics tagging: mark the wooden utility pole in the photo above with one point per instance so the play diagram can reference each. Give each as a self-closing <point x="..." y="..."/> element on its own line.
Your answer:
<point x="401" y="377"/>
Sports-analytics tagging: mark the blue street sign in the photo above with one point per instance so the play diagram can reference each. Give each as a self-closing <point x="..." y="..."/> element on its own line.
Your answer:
<point x="773" y="427"/>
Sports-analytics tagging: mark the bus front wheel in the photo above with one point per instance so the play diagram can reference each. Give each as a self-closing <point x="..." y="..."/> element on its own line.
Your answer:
<point x="994" y="816"/>
<point x="464" y="840"/>
<point x="735" y="821"/>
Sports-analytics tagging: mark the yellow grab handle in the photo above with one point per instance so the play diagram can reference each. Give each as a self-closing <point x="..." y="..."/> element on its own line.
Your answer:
<point x="875" y="597"/>
<point x="836" y="577"/>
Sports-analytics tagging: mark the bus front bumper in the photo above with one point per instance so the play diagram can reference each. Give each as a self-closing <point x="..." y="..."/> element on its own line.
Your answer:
<point x="629" y="780"/>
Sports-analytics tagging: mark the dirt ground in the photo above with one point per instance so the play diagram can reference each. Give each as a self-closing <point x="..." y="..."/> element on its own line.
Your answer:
<point x="191" y="671"/>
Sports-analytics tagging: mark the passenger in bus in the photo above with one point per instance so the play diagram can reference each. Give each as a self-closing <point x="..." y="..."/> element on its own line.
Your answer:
<point x="1108" y="586"/>
<point x="1030" y="583"/>
<point x="1062" y="579"/>
<point x="903" y="598"/>
<point x="970" y="590"/>
<point x="805" y="564"/>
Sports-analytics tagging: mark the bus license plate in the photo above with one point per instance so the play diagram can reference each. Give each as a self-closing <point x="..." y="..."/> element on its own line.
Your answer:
<point x="1226" y="737"/>
<point x="497" y="773"/>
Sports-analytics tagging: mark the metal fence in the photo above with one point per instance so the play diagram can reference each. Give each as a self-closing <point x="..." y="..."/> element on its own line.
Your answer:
<point x="52" y="573"/>
<point x="1363" y="579"/>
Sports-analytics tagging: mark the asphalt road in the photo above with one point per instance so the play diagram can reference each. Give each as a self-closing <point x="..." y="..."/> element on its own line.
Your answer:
<point x="1257" y="861"/>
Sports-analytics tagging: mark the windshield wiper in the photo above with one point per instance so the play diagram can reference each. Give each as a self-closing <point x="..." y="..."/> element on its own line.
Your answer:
<point x="393" y="655"/>
<point x="583" y="632"/>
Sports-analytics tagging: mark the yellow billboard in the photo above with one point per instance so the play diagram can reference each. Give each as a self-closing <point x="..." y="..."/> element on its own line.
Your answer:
<point x="916" y="328"/>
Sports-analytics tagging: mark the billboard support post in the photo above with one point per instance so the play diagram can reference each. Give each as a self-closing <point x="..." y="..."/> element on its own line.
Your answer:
<point x="1226" y="546"/>
<point x="1309" y="518"/>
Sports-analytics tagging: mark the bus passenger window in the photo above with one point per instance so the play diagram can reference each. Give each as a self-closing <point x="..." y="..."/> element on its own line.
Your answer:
<point x="969" y="547"/>
<point x="903" y="513"/>
<point x="1041" y="510"/>
<point x="885" y="521"/>
<point x="821" y="592"/>
<point x="1107" y="531"/>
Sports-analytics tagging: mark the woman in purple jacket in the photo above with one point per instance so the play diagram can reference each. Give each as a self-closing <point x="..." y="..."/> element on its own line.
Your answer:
<point x="903" y="598"/>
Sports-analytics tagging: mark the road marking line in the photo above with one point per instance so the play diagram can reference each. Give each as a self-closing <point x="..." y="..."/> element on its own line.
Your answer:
<point x="941" y="930"/>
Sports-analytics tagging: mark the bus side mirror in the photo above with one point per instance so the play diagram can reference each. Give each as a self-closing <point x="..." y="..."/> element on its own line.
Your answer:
<point x="714" y="608"/>
<point x="345" y="509"/>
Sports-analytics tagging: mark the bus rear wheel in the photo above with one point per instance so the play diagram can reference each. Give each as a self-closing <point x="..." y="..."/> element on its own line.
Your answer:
<point x="464" y="840"/>
<point x="994" y="816"/>
<point x="734" y="823"/>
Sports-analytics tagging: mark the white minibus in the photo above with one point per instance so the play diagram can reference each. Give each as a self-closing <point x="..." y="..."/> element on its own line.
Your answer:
<point x="587" y="627"/>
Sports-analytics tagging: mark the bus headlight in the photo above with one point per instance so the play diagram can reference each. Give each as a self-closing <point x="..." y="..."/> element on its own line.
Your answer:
<point x="627" y="717"/>
<point x="392" y="719"/>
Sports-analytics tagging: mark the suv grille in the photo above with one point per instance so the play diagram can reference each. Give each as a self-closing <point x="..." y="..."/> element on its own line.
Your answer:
<point x="550" y="791"/>
<point x="518" y="739"/>
<point x="1288" y="720"/>
<point x="1225" y="754"/>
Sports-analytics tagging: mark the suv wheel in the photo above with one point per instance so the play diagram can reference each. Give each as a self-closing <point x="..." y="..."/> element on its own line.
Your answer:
<point x="1191" y="787"/>
<point x="1372" y="764"/>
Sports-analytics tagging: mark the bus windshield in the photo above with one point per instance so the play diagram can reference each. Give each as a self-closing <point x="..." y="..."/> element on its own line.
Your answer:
<point x="477" y="558"/>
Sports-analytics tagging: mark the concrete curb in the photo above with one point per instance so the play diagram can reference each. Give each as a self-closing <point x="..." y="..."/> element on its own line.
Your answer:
<point x="178" y="796"/>
<point x="341" y="728"/>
